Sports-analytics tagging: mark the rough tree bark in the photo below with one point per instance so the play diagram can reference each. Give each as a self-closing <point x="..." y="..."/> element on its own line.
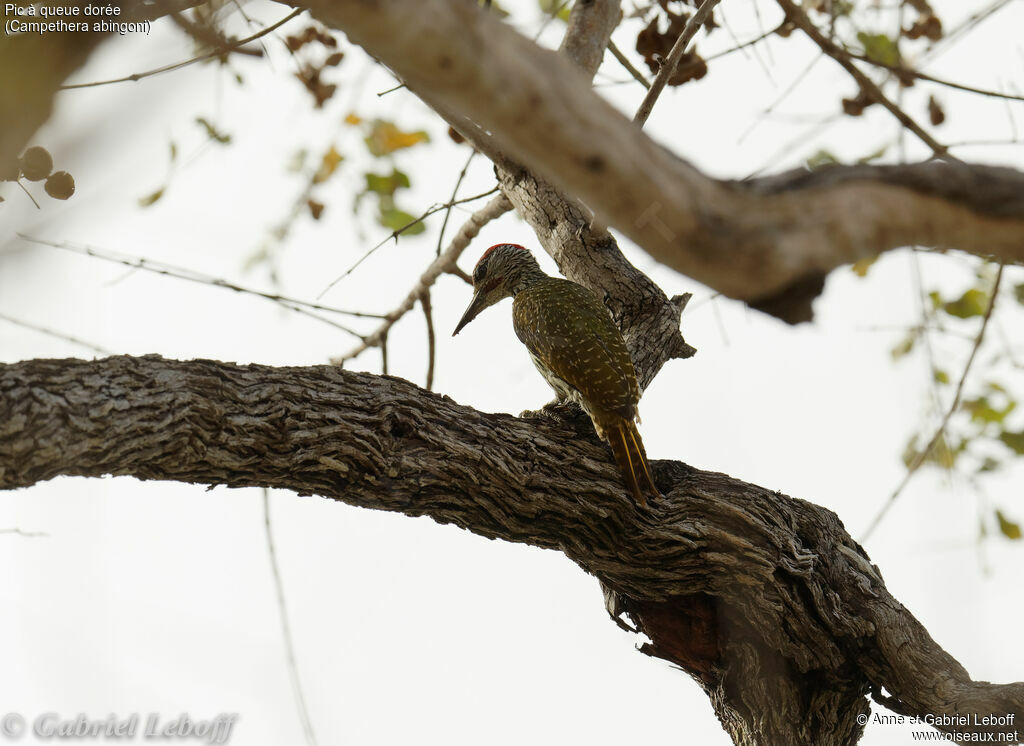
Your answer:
<point x="764" y="599"/>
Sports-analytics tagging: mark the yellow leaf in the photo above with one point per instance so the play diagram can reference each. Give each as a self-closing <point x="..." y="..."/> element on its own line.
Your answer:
<point x="385" y="138"/>
<point x="353" y="118"/>
<point x="860" y="267"/>
<point x="1008" y="528"/>
<point x="328" y="165"/>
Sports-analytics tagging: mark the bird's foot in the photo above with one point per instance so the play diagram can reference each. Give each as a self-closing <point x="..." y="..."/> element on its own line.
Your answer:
<point x="564" y="412"/>
<point x="556" y="409"/>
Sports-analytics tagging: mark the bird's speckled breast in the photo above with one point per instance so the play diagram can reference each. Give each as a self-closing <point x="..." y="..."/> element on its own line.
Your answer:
<point x="577" y="346"/>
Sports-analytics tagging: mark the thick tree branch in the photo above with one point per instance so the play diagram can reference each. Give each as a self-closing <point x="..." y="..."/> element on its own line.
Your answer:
<point x="764" y="599"/>
<point x="769" y="242"/>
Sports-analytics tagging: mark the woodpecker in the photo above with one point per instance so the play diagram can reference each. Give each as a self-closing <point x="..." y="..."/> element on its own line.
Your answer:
<point x="576" y="347"/>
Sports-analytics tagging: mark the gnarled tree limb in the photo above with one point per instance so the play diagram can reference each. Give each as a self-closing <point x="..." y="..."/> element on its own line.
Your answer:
<point x="764" y="599"/>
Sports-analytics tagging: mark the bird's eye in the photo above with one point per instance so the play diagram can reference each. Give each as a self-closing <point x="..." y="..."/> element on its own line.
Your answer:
<point x="479" y="272"/>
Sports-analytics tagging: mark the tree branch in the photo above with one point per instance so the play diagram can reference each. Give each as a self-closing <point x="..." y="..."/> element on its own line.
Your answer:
<point x="764" y="599"/>
<point x="668" y="68"/>
<point x="767" y="241"/>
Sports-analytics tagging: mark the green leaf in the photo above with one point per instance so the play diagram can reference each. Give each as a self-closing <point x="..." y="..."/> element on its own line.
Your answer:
<point x="1008" y="528"/>
<point x="873" y="156"/>
<point x="1018" y="293"/>
<point x="982" y="411"/>
<point x="397" y="220"/>
<point x="212" y="132"/>
<point x="386" y="185"/>
<point x="820" y="159"/>
<point x="940" y="376"/>
<point x="904" y="346"/>
<point x="297" y="162"/>
<point x="940" y="454"/>
<point x="151" y="199"/>
<point x="1013" y="441"/>
<point x="972" y="303"/>
<point x="879" y="48"/>
<point x="936" y="299"/>
<point x="499" y="11"/>
<point x="989" y="465"/>
<point x="551" y="6"/>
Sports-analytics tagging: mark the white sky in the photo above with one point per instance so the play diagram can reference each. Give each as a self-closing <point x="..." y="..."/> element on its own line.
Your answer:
<point x="158" y="598"/>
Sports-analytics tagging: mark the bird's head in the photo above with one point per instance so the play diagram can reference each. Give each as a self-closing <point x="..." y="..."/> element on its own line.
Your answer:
<point x="497" y="275"/>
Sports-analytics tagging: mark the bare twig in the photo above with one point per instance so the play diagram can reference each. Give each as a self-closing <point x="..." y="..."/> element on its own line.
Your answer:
<point x="797" y="80"/>
<point x="286" y="632"/>
<point x="630" y="68"/>
<point x="185" y="63"/>
<point x="932" y="79"/>
<point x="55" y="334"/>
<point x="26" y="191"/>
<point x="451" y="201"/>
<point x="668" y="69"/>
<point x="22" y="532"/>
<point x="293" y="304"/>
<point x="922" y="455"/>
<point x="494" y="209"/>
<point x="868" y="86"/>
<point x="954" y="34"/>
<point x="428" y="314"/>
<point x="211" y="37"/>
<point x="396" y="233"/>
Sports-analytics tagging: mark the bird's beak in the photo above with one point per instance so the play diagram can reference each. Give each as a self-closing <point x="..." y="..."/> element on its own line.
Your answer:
<point x="476" y="305"/>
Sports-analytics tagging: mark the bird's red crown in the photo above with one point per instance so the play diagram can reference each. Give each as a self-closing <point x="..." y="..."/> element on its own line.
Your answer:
<point x="498" y="245"/>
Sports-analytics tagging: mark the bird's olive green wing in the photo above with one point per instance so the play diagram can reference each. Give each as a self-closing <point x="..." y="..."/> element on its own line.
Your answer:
<point x="565" y="326"/>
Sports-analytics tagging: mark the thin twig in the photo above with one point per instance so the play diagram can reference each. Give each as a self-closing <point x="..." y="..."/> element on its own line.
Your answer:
<point x="177" y="65"/>
<point x="630" y="68"/>
<point x="21" y="532"/>
<point x="26" y="191"/>
<point x="952" y="35"/>
<point x="428" y="314"/>
<point x="392" y="89"/>
<point x="494" y="209"/>
<point x="179" y="273"/>
<point x="797" y="80"/>
<point x="209" y="37"/>
<point x="286" y="632"/>
<point x="53" y="333"/>
<point x="396" y="233"/>
<point x="451" y="201"/>
<point x="668" y="69"/>
<point x="922" y="455"/>
<point x="931" y="79"/>
<point x="868" y="86"/>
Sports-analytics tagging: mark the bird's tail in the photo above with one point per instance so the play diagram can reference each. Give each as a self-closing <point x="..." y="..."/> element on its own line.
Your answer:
<point x="631" y="458"/>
